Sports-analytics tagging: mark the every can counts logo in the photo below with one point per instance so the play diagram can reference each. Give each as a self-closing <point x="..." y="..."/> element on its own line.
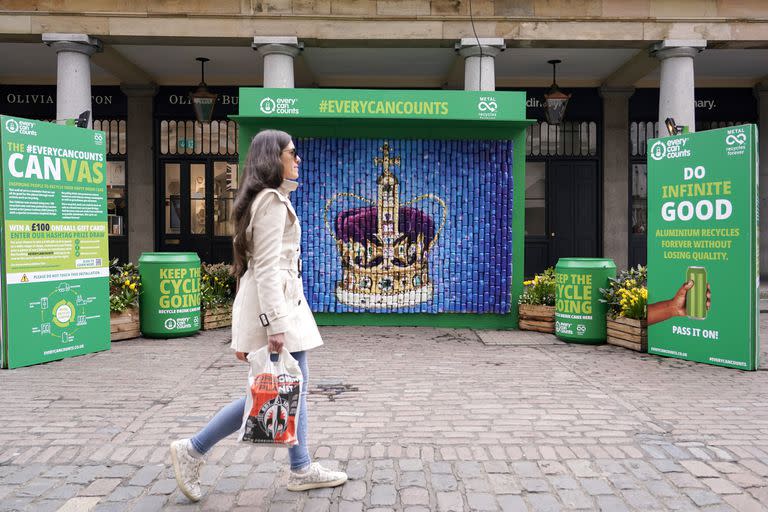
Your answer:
<point x="670" y="149"/>
<point x="20" y="127"/>
<point x="279" y="106"/>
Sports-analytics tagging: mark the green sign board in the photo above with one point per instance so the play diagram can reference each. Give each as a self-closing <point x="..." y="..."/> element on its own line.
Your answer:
<point x="703" y="252"/>
<point x="55" y="266"/>
<point x="374" y="104"/>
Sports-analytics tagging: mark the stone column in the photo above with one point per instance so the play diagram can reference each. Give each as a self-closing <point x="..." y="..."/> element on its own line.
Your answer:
<point x="278" y="53"/>
<point x="616" y="173"/>
<point x="676" y="87"/>
<point x="140" y="178"/>
<point x="761" y="91"/>
<point x="73" y="73"/>
<point x="480" y="62"/>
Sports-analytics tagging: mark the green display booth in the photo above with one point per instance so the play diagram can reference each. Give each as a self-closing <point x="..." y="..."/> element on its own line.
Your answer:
<point x="411" y="203"/>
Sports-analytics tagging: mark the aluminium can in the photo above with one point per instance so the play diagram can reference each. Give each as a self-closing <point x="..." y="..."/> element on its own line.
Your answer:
<point x="696" y="297"/>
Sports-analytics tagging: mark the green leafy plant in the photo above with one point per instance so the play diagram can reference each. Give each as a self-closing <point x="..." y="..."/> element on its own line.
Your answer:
<point x="124" y="286"/>
<point x="540" y="290"/>
<point x="627" y="295"/>
<point x="217" y="285"/>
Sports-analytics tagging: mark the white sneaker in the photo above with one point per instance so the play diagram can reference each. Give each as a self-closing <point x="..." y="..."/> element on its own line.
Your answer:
<point x="316" y="477"/>
<point x="187" y="469"/>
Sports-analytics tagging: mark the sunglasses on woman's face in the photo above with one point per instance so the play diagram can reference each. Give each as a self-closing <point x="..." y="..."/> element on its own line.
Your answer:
<point x="292" y="151"/>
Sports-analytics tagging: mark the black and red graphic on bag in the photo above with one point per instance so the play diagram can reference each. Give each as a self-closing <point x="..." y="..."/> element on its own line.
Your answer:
<point x="273" y="417"/>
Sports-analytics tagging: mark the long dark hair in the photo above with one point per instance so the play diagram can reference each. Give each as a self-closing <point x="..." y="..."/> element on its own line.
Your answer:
<point x="263" y="169"/>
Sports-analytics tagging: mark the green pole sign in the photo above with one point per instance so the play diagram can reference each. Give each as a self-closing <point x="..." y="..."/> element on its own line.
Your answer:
<point x="703" y="253"/>
<point x="55" y="267"/>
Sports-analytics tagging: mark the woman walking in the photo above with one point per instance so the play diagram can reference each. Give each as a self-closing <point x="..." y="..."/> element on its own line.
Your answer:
<point x="270" y="307"/>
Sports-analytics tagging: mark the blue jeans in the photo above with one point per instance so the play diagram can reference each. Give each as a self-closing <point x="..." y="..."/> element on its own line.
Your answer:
<point x="228" y="420"/>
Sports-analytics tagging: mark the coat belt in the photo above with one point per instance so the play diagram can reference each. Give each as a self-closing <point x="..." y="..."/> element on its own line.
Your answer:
<point x="291" y="265"/>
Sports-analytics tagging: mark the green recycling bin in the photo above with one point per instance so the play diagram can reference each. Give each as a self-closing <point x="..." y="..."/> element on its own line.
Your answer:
<point x="169" y="305"/>
<point x="579" y="314"/>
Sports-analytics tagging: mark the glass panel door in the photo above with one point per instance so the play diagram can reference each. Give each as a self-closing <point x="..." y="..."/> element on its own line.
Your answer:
<point x="196" y="209"/>
<point x="639" y="218"/>
<point x="535" y="198"/>
<point x="197" y="196"/>
<point x="172" y="199"/>
<point x="117" y="202"/>
<point x="224" y="184"/>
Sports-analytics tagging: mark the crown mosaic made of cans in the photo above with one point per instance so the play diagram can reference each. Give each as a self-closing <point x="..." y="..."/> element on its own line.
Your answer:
<point x="384" y="247"/>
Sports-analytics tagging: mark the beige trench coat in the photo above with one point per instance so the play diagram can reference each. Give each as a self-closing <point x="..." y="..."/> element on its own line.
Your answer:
<point x="270" y="299"/>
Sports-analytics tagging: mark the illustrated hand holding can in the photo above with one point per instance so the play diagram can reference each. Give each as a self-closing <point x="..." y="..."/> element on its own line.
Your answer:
<point x="693" y="299"/>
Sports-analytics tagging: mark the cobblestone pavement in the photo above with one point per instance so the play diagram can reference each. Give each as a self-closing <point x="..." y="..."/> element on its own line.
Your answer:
<point x="421" y="419"/>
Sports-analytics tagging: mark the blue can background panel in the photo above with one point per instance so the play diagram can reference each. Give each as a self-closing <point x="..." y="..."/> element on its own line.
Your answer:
<point x="469" y="264"/>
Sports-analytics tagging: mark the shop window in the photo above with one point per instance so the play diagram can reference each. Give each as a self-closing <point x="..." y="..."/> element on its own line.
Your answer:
<point x="185" y="143"/>
<point x="197" y="199"/>
<point x="535" y="198"/>
<point x="572" y="138"/>
<point x="117" y="200"/>
<point x="711" y="125"/>
<point x="164" y="135"/>
<point x="641" y="131"/>
<point x="639" y="203"/>
<point x="195" y="138"/>
<point x="116" y="135"/>
<point x="172" y="199"/>
<point x="224" y="185"/>
<point x="115" y="131"/>
<point x="205" y="138"/>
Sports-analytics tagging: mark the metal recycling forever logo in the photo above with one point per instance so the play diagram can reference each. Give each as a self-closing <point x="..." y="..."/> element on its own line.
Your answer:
<point x="739" y="138"/>
<point x="487" y="106"/>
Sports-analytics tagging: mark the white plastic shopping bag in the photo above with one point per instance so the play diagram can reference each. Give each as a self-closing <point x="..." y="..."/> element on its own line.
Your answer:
<point x="272" y="400"/>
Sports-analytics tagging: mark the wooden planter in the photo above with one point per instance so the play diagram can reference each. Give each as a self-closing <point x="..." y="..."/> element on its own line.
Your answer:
<point x="219" y="316"/>
<point x="628" y="333"/>
<point x="537" y="318"/>
<point x="124" y="325"/>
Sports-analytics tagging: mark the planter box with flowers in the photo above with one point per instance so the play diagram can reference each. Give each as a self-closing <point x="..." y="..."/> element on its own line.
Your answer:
<point x="214" y="317"/>
<point x="536" y="305"/>
<point x="627" y="299"/>
<point x="217" y="292"/>
<point x="124" y="290"/>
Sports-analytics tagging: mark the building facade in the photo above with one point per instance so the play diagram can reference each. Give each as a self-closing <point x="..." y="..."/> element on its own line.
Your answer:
<point x="626" y="64"/>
